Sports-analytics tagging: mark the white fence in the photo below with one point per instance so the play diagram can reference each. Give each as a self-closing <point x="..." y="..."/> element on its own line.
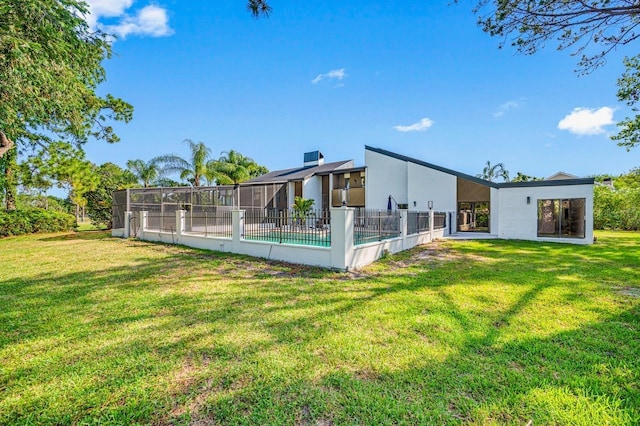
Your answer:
<point x="341" y="254"/>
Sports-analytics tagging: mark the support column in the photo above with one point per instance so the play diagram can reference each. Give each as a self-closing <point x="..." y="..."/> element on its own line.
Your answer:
<point x="403" y="228"/>
<point x="431" y="224"/>
<point x="237" y="223"/>
<point x="180" y="222"/>
<point x="128" y="216"/>
<point x="342" y="237"/>
<point x="144" y="222"/>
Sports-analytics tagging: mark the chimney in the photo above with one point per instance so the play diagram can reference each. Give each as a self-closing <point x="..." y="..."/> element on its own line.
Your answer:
<point x="314" y="158"/>
<point x="608" y="182"/>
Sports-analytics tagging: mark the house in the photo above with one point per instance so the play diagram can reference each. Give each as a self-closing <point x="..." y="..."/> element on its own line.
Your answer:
<point x="407" y="202"/>
<point x="562" y="175"/>
<point x="556" y="209"/>
<point x="328" y="184"/>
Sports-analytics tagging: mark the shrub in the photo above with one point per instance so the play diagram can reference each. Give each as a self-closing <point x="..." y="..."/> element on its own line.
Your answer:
<point x="34" y="220"/>
<point x="616" y="209"/>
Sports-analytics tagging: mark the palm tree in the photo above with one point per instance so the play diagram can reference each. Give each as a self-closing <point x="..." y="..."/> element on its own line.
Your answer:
<point x="496" y="171"/>
<point x="301" y="207"/>
<point x="147" y="172"/>
<point x="193" y="169"/>
<point x="233" y="168"/>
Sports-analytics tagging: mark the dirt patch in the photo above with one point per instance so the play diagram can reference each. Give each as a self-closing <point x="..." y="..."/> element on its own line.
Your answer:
<point x="629" y="291"/>
<point x="436" y="252"/>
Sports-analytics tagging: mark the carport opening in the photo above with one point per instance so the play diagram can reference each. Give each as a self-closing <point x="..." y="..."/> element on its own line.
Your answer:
<point x="474" y="207"/>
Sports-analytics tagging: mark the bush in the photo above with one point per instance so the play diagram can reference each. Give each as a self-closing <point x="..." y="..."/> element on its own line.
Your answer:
<point x="616" y="209"/>
<point x="34" y="220"/>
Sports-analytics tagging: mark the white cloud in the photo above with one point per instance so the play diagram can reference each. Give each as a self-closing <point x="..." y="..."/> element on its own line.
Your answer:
<point x="338" y="74"/>
<point x="107" y="9"/>
<point x="587" y="121"/>
<point x="505" y="107"/>
<point x="420" y="126"/>
<point x="151" y="20"/>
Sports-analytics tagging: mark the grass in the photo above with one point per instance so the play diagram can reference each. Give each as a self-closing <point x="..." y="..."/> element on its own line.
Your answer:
<point x="99" y="330"/>
<point x="89" y="226"/>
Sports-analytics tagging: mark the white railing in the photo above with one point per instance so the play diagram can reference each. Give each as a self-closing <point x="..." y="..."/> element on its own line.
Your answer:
<point x="340" y="248"/>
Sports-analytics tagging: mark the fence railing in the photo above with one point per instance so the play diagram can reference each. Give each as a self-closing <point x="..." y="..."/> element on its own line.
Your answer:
<point x="375" y="225"/>
<point x="218" y="223"/>
<point x="439" y="220"/>
<point x="417" y="222"/>
<point x="288" y="227"/>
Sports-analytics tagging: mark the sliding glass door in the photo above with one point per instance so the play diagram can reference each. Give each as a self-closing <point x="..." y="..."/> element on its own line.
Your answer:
<point x="473" y="216"/>
<point x="561" y="218"/>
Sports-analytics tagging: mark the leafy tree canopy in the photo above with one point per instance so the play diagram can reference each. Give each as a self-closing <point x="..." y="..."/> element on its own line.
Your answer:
<point x="629" y="180"/>
<point x="192" y="169"/>
<point x="100" y="200"/>
<point x="62" y="163"/>
<point x="233" y="167"/>
<point x="148" y="173"/>
<point x="52" y="64"/>
<point x="590" y="29"/>
<point x="50" y="67"/>
<point x="521" y="177"/>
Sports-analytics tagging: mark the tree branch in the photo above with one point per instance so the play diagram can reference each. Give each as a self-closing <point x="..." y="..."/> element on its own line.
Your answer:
<point x="5" y="144"/>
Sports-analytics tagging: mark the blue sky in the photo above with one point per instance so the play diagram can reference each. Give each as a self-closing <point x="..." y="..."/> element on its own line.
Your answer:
<point x="414" y="77"/>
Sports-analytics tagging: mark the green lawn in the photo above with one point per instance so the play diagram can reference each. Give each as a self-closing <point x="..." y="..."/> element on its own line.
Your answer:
<point x="98" y="330"/>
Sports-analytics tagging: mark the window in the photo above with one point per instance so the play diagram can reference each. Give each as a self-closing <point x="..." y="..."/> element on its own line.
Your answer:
<point x="561" y="218"/>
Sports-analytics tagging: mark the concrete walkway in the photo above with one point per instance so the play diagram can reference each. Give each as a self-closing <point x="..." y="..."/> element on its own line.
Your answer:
<point x="471" y="236"/>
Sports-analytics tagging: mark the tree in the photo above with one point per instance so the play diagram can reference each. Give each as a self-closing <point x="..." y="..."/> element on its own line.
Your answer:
<point x="629" y="93"/>
<point x="234" y="168"/>
<point x="301" y="208"/>
<point x="51" y="65"/>
<point x="100" y="200"/>
<point x="591" y="29"/>
<point x="630" y="179"/>
<point x="577" y="25"/>
<point x="146" y="172"/>
<point x="496" y="171"/>
<point x="521" y="177"/>
<point x="258" y="8"/>
<point x="193" y="169"/>
<point x="67" y="166"/>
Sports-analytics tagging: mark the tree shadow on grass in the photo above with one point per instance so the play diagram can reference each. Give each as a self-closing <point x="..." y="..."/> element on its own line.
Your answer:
<point x="199" y="336"/>
<point x="78" y="235"/>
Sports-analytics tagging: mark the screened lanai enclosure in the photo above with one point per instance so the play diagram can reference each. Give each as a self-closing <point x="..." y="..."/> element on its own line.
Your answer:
<point x="208" y="209"/>
<point x="266" y="217"/>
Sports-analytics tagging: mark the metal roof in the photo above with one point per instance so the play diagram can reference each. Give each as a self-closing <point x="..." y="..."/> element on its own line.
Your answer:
<point x="561" y="182"/>
<point x="350" y="170"/>
<point x="432" y="166"/>
<point x="299" y="173"/>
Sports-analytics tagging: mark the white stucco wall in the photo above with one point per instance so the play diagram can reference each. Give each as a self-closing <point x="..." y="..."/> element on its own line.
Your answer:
<point x="312" y="189"/>
<point x="385" y="176"/>
<point x="425" y="184"/>
<point x="494" y="211"/>
<point x="291" y="194"/>
<point x="519" y="220"/>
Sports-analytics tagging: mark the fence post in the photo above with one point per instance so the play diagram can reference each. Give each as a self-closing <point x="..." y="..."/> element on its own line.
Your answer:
<point x="180" y="223"/>
<point x="432" y="216"/>
<point x="403" y="227"/>
<point x="342" y="237"/>
<point x="144" y="219"/>
<point x="237" y="226"/>
<point x="127" y="224"/>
